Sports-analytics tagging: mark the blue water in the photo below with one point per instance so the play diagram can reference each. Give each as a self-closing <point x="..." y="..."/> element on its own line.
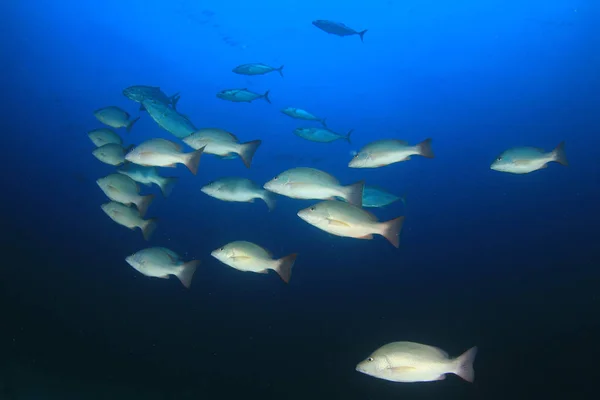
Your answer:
<point x="505" y="262"/>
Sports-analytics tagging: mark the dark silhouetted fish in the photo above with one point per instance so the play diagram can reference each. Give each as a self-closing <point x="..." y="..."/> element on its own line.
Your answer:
<point x="256" y="69"/>
<point x="242" y="95"/>
<point x="139" y="93"/>
<point x="337" y="28"/>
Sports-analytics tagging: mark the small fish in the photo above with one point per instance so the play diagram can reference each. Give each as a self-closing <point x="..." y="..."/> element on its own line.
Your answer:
<point x="413" y="362"/>
<point x="321" y="135"/>
<point x="249" y="257"/>
<point x="299" y="113"/>
<point x="115" y="117"/>
<point x="242" y="95"/>
<point x="111" y="153"/>
<point x="124" y="190"/>
<point x="238" y="190"/>
<point x="103" y="136"/>
<point x="256" y="69"/>
<point x="523" y="160"/>
<point x="337" y="28"/>
<point x="140" y="93"/>
<point x="163" y="153"/>
<point x="148" y="176"/>
<point x="223" y="144"/>
<point x="314" y="184"/>
<point x="388" y="151"/>
<point x="343" y="219"/>
<point x="168" y="118"/>
<point x="375" y="197"/>
<point x="159" y="262"/>
<point x="129" y="217"/>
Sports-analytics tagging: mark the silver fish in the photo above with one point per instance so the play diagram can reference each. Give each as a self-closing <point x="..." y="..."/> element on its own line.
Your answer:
<point x="148" y="176"/>
<point x="388" y="151"/>
<point x="299" y="113"/>
<point x="256" y="69"/>
<point x="238" y="190"/>
<point x="337" y="28"/>
<point x="111" y="153"/>
<point x="124" y="190"/>
<point x="129" y="217"/>
<point x="223" y="144"/>
<point x="321" y="135"/>
<point x="163" y="153"/>
<point x="160" y="262"/>
<point x="242" y="95"/>
<point x="523" y="160"/>
<point x="103" y="136"/>
<point x="115" y="117"/>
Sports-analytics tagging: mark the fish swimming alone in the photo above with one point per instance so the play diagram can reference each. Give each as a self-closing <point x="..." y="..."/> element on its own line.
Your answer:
<point x="115" y="117"/>
<point x="139" y="93"/>
<point x="147" y="176"/>
<point x="388" y="151"/>
<point x="413" y="362"/>
<point x="337" y="28"/>
<point x="111" y="153"/>
<point x="249" y="257"/>
<point x="343" y="219"/>
<point x="238" y="190"/>
<point x="321" y="135"/>
<point x="124" y="190"/>
<point x="314" y="184"/>
<point x="103" y="136"/>
<point x="242" y="95"/>
<point x="160" y="262"/>
<point x="223" y="144"/>
<point x="129" y="217"/>
<point x="256" y="69"/>
<point x="523" y="160"/>
<point x="168" y="118"/>
<point x="163" y="153"/>
<point x="299" y="113"/>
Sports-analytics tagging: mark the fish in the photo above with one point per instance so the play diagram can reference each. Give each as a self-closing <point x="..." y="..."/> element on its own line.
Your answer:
<point x="299" y="113"/>
<point x="344" y="219"/>
<point x="111" y="153"/>
<point x="115" y="117"/>
<point x="375" y="197"/>
<point x="169" y="119"/>
<point x="239" y="190"/>
<point x="139" y="93"/>
<point x="222" y="143"/>
<point x="337" y="28"/>
<point x="249" y="257"/>
<point x="523" y="160"/>
<point x="321" y="135"/>
<point x="256" y="69"/>
<point x="160" y="262"/>
<point x="129" y="217"/>
<point x="103" y="136"/>
<point x="389" y="151"/>
<point x="413" y="362"/>
<point x="242" y="95"/>
<point x="314" y="184"/>
<point x="124" y="190"/>
<point x="148" y="176"/>
<point x="163" y="153"/>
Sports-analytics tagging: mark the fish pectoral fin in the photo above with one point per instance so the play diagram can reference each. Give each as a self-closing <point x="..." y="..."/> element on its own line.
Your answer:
<point x="403" y="369"/>
<point x="163" y="277"/>
<point x="171" y="165"/>
<point x="240" y="258"/>
<point x="335" y="222"/>
<point x="251" y="201"/>
<point x="441" y="378"/>
<point x="264" y="271"/>
<point x="367" y="237"/>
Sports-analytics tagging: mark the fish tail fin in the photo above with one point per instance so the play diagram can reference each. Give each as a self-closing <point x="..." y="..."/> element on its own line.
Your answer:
<point x="166" y="185"/>
<point x="280" y="70"/>
<point x="424" y="148"/>
<point x="464" y="365"/>
<point x="391" y="230"/>
<point x="269" y="199"/>
<point x="142" y="108"/>
<point x="324" y="122"/>
<point x="186" y="273"/>
<point x="266" y="96"/>
<point x="362" y="35"/>
<point x="247" y="151"/>
<point x="347" y="137"/>
<point x="174" y="99"/>
<point x="284" y="267"/>
<point x="143" y="204"/>
<point x="403" y="199"/>
<point x="131" y="123"/>
<point x="559" y="154"/>
<point x="353" y="194"/>
<point x="148" y="228"/>
<point x="192" y="160"/>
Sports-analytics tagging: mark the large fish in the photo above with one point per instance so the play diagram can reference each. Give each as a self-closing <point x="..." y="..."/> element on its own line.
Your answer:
<point x="223" y="144"/>
<point x="160" y="262"/>
<point x="111" y="153"/>
<point x="148" y="176"/>
<point x="139" y="93"/>
<point x="414" y="362"/>
<point x="163" y="153"/>
<point x="388" y="151"/>
<point x="242" y="95"/>
<point x="256" y="69"/>
<point x="249" y="257"/>
<point x="321" y="135"/>
<point x="523" y="160"/>
<point x="168" y="118"/>
<point x="299" y="113"/>
<point x="238" y="190"/>
<point x="124" y="190"/>
<point x="115" y="117"/>
<point x="314" y="184"/>
<point x="129" y="217"/>
<point x="343" y="219"/>
<point x="103" y="136"/>
<point x="337" y="28"/>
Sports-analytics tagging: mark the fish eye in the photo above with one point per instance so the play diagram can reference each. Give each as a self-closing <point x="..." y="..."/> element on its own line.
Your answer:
<point x="499" y="158"/>
<point x="222" y="249"/>
<point x="275" y="178"/>
<point x="370" y="359"/>
<point x="312" y="209"/>
<point x="356" y="156"/>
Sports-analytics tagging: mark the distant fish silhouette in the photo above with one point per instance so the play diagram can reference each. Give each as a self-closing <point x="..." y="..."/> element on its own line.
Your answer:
<point x="337" y="28"/>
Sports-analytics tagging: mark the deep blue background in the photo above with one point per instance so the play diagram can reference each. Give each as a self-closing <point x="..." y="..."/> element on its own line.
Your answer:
<point x="505" y="262"/>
